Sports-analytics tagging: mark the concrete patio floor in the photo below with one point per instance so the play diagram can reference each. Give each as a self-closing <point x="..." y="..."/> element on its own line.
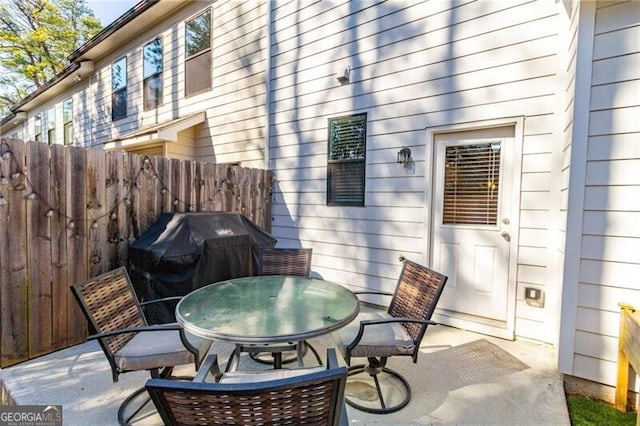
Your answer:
<point x="461" y="378"/>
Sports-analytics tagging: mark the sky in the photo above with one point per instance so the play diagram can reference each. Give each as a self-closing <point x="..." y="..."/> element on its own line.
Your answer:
<point x="109" y="10"/>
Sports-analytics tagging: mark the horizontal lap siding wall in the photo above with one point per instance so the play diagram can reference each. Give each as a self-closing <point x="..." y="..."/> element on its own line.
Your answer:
<point x="235" y="106"/>
<point x="414" y="65"/>
<point x="610" y="259"/>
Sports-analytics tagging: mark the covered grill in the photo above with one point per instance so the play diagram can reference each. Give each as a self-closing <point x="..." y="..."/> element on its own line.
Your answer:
<point x="184" y="251"/>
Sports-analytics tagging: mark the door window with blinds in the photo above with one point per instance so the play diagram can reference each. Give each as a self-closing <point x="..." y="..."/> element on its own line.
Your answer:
<point x="346" y="160"/>
<point x="471" y="184"/>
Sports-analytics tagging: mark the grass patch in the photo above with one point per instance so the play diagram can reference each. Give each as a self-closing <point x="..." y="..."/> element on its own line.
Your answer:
<point x="587" y="412"/>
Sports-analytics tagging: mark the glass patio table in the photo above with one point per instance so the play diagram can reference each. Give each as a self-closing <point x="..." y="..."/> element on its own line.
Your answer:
<point x="266" y="309"/>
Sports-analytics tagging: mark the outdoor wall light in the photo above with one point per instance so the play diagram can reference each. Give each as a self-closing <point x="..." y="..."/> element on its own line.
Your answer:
<point x="343" y="75"/>
<point x="404" y="155"/>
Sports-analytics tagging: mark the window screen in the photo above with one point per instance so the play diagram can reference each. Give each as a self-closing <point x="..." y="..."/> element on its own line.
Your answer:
<point x="198" y="54"/>
<point x="119" y="89"/>
<point x="51" y="125"/>
<point x="346" y="160"/>
<point x="67" y="118"/>
<point x="472" y="176"/>
<point x="38" y="127"/>
<point x="152" y="74"/>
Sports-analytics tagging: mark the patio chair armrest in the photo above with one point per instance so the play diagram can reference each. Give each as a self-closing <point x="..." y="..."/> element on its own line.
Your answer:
<point x="370" y="322"/>
<point x="332" y="358"/>
<point x="161" y="300"/>
<point x="380" y="293"/>
<point x="135" y="330"/>
<point x="209" y="366"/>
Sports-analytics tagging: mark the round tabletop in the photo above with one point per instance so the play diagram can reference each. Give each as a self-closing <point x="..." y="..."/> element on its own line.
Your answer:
<point x="267" y="309"/>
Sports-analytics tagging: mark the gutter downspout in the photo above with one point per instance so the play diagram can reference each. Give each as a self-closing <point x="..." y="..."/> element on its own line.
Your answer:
<point x="267" y="124"/>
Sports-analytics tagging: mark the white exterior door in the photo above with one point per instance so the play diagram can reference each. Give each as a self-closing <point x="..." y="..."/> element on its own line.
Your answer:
<point x="471" y="229"/>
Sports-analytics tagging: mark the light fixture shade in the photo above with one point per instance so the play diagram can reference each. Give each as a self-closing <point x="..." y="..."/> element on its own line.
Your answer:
<point x="404" y="155"/>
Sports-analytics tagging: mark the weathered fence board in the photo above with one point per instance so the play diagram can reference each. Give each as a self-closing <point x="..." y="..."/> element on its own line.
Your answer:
<point x="68" y="213"/>
<point x="38" y="250"/>
<point x="15" y="325"/>
<point x="59" y="271"/>
<point x="76" y="224"/>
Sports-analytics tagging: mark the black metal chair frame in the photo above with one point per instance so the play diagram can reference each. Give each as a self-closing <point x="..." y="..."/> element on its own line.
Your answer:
<point x="416" y="326"/>
<point x="235" y="402"/>
<point x="112" y="340"/>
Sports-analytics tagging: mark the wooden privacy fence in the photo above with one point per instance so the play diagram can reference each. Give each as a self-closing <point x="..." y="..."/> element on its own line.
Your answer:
<point x="68" y="214"/>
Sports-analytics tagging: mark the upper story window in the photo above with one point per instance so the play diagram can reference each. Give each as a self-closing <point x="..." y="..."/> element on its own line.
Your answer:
<point x="67" y="119"/>
<point x="197" y="63"/>
<point x="346" y="160"/>
<point x="152" y="74"/>
<point x="51" y="125"/>
<point x="38" y="126"/>
<point x="119" y="89"/>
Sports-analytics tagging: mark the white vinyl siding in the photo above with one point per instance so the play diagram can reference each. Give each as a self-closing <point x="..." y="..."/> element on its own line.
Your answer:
<point x="609" y="258"/>
<point x="414" y="65"/>
<point x="235" y="105"/>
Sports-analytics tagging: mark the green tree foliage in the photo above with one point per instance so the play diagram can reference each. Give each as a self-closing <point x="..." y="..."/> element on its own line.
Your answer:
<point x="36" y="37"/>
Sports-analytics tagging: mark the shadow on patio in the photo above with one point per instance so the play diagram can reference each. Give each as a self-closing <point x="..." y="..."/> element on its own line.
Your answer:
<point x="460" y="378"/>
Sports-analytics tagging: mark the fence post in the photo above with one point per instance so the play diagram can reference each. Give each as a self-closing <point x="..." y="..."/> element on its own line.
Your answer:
<point x="628" y="353"/>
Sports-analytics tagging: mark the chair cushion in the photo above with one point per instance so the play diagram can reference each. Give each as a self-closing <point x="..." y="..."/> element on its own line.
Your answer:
<point x="378" y="340"/>
<point x="157" y="349"/>
<point x="267" y="375"/>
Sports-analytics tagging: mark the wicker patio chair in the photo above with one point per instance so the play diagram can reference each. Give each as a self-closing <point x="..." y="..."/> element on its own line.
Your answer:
<point x="377" y="335"/>
<point x="310" y="396"/>
<point x="116" y="318"/>
<point x="285" y="261"/>
<point x="281" y="261"/>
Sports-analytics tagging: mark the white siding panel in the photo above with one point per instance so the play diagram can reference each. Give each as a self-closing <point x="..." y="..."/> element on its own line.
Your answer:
<point x="595" y="369"/>
<point x="620" y="68"/>
<point x="597" y="321"/>
<point x="535" y="200"/>
<point x="612" y="17"/>
<point x="615" y="224"/>
<point x="534" y="219"/>
<point x="536" y="256"/>
<point x="605" y="297"/>
<point x="536" y="181"/>
<point x="622" y="120"/>
<point x="611" y="274"/>
<point x="618" y="95"/>
<point x="540" y="143"/>
<point x="532" y="329"/>
<point x="532" y="274"/>
<point x="614" y="147"/>
<point x="619" y="42"/>
<point x="534" y="238"/>
<point x="616" y="172"/>
<point x="612" y="198"/>
<point x="596" y="345"/>
<point x="614" y="249"/>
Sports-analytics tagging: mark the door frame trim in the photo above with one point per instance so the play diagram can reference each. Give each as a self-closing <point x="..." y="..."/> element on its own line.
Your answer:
<point x="517" y="122"/>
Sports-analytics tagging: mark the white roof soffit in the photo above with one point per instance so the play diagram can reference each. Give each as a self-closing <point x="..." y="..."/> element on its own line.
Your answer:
<point x="167" y="131"/>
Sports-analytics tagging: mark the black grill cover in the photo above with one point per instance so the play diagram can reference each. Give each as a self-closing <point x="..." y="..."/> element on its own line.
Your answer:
<point x="184" y="251"/>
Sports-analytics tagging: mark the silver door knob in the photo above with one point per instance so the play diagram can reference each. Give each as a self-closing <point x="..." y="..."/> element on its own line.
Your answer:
<point x="506" y="236"/>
